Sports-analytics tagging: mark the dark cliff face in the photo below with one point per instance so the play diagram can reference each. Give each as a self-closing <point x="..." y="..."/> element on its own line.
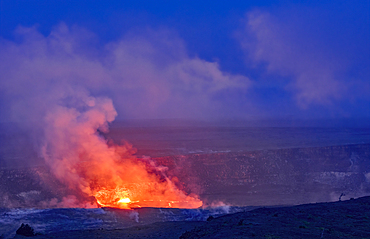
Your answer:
<point x="30" y="187"/>
<point x="283" y="176"/>
<point x="266" y="177"/>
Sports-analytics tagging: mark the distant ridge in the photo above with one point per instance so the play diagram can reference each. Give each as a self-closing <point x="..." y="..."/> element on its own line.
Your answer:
<point x="258" y="122"/>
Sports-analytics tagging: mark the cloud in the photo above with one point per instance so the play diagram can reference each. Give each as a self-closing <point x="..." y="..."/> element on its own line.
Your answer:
<point x="147" y="74"/>
<point x="309" y="50"/>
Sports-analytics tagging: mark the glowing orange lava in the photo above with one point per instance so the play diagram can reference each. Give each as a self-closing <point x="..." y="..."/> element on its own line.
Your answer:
<point x="128" y="182"/>
<point x="146" y="195"/>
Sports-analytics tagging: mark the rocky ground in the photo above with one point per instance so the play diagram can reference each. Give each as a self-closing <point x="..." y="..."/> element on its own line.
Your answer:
<point x="342" y="219"/>
<point x="347" y="219"/>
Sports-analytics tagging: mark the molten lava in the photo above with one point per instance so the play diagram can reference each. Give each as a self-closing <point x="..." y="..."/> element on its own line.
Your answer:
<point x="129" y="182"/>
<point x="146" y="195"/>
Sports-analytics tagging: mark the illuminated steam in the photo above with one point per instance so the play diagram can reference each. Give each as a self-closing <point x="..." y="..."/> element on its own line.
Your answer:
<point x="82" y="159"/>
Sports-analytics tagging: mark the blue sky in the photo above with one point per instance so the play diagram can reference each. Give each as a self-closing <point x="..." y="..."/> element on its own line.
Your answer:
<point x="188" y="59"/>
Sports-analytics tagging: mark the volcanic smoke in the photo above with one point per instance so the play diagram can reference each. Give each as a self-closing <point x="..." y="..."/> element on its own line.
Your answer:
<point x="83" y="160"/>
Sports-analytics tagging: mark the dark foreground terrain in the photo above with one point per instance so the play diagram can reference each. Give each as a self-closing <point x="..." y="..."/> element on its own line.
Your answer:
<point x="347" y="219"/>
<point x="342" y="219"/>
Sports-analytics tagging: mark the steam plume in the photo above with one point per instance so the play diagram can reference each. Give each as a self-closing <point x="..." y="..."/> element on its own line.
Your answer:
<point x="82" y="159"/>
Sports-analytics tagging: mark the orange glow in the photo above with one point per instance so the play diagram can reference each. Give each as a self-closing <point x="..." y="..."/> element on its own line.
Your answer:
<point x="82" y="159"/>
<point x="146" y="195"/>
<point x="151" y="192"/>
<point x="124" y="181"/>
<point x="124" y="200"/>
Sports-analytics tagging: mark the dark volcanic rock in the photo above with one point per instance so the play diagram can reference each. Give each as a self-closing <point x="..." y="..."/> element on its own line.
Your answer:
<point x="168" y="230"/>
<point x="25" y="230"/>
<point x="345" y="219"/>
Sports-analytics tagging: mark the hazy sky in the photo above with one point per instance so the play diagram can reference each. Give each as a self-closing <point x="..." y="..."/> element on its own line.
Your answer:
<point x="187" y="59"/>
